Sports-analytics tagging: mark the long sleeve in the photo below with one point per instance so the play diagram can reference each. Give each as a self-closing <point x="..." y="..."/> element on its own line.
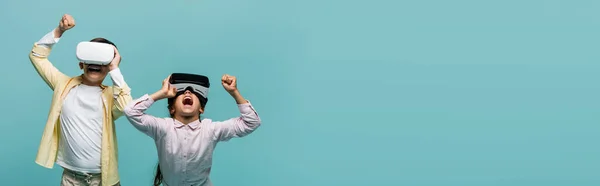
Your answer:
<point x="39" y="59"/>
<point x="48" y="40"/>
<point x="121" y="93"/>
<point x="149" y="125"/>
<point x="240" y="126"/>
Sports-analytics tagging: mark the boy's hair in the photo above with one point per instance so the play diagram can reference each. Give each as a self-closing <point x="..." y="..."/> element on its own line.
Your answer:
<point x="103" y="40"/>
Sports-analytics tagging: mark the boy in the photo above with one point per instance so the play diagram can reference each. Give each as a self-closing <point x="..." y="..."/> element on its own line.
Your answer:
<point x="79" y="134"/>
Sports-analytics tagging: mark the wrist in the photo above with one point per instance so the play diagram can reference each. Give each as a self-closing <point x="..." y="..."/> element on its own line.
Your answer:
<point x="234" y="93"/>
<point x="239" y="99"/>
<point x="158" y="95"/>
<point x="58" y="32"/>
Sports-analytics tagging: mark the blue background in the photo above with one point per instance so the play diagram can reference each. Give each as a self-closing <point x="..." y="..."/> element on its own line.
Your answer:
<point x="380" y="92"/>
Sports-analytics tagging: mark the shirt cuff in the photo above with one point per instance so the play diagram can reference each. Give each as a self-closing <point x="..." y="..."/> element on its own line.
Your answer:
<point x="146" y="97"/>
<point x="246" y="107"/>
<point x="145" y="100"/>
<point x="48" y="40"/>
<point x="117" y="77"/>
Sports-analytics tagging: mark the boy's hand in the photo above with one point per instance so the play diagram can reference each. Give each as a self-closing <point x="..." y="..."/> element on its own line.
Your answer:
<point x="114" y="64"/>
<point x="66" y="22"/>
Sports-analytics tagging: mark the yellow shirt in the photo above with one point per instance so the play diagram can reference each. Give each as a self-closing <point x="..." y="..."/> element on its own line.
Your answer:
<point x="114" y="100"/>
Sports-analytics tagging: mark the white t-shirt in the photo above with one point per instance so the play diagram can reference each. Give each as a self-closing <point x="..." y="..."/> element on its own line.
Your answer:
<point x="81" y="130"/>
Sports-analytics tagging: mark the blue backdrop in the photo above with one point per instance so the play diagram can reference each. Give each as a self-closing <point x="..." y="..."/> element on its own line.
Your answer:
<point x="380" y="92"/>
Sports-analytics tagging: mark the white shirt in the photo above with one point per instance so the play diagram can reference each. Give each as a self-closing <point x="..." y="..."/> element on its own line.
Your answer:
<point x="80" y="140"/>
<point x="185" y="150"/>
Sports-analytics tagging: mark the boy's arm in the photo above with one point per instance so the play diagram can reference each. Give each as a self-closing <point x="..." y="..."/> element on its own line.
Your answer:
<point x="149" y="125"/>
<point x="121" y="92"/>
<point x="39" y="59"/>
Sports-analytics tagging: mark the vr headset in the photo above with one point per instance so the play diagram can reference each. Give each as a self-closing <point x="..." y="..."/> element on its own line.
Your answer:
<point x="197" y="84"/>
<point x="95" y="53"/>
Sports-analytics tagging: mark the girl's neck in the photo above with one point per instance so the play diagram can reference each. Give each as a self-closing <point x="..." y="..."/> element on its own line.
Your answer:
<point x="186" y="119"/>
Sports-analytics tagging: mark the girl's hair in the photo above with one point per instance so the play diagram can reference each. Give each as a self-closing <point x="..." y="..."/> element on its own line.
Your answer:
<point x="170" y="105"/>
<point x="159" y="177"/>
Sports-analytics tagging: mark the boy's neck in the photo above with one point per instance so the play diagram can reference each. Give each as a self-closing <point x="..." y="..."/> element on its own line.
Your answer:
<point x="87" y="82"/>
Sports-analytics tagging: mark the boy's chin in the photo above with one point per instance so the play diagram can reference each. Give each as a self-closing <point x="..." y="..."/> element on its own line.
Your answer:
<point x="94" y="77"/>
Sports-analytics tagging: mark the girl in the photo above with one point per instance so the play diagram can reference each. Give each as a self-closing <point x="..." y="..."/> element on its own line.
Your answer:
<point x="185" y="143"/>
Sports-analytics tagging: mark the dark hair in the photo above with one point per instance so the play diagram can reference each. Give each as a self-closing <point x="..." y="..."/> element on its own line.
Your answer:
<point x="159" y="177"/>
<point x="103" y="40"/>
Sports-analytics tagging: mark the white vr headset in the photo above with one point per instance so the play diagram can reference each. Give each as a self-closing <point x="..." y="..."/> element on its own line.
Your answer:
<point x="95" y="53"/>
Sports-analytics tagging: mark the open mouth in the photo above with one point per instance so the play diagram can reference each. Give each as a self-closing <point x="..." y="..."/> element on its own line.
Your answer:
<point x="94" y="68"/>
<point x="188" y="101"/>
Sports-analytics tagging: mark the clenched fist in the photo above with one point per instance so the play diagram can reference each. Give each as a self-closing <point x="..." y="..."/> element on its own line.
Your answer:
<point x="229" y="83"/>
<point x="66" y="22"/>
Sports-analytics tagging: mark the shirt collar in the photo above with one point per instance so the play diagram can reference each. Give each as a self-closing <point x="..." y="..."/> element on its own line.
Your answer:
<point x="79" y="80"/>
<point x="193" y="125"/>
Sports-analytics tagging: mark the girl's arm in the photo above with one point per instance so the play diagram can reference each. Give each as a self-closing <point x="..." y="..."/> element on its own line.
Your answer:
<point x="150" y="125"/>
<point x="246" y="123"/>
